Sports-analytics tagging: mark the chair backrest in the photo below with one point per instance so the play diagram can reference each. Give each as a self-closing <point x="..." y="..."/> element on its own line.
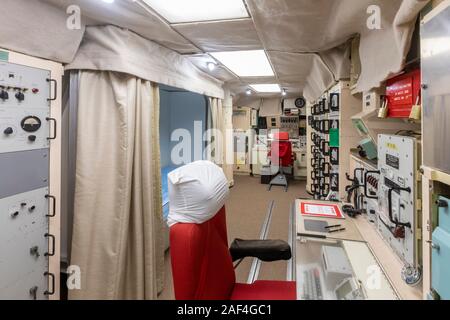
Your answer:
<point x="281" y="150"/>
<point x="202" y="268"/>
<point x="281" y="136"/>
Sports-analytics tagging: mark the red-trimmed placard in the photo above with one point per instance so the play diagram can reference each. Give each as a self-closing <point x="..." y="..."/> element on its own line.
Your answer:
<point x="321" y="210"/>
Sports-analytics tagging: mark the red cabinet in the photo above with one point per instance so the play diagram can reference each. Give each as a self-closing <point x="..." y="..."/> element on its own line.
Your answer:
<point x="402" y="92"/>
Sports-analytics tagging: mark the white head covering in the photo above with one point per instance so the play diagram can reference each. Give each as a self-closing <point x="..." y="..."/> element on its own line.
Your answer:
<point x="197" y="191"/>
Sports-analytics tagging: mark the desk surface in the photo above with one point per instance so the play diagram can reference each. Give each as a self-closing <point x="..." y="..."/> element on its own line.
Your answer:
<point x="351" y="232"/>
<point x="359" y="231"/>
<point x="388" y="260"/>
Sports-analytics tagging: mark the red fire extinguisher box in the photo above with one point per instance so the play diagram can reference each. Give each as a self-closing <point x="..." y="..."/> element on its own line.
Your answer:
<point x="402" y="93"/>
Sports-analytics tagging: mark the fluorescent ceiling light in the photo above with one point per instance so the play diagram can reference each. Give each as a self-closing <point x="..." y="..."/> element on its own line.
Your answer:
<point x="182" y="11"/>
<point x="252" y="63"/>
<point x="266" y="88"/>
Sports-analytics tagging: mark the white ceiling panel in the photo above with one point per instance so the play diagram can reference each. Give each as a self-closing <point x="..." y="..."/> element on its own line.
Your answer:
<point x="233" y="35"/>
<point x="292" y="65"/>
<point x="312" y="26"/>
<point x="129" y="15"/>
<point x="285" y="28"/>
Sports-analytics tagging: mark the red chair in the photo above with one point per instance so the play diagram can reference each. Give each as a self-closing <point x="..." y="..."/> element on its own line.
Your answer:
<point x="280" y="155"/>
<point x="202" y="264"/>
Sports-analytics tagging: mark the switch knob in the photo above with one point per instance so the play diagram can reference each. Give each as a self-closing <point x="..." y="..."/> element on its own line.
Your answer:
<point x="33" y="292"/>
<point x="32" y="138"/>
<point x="4" y="95"/>
<point x="8" y="131"/>
<point x="20" y="96"/>
<point x="31" y="209"/>
<point x="34" y="251"/>
<point x="399" y="232"/>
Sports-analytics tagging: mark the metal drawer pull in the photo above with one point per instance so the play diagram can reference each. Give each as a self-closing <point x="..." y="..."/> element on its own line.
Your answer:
<point x="55" y="92"/>
<point x="52" y="291"/>
<point x="53" y="213"/>
<point x="54" y="128"/>
<point x="52" y="237"/>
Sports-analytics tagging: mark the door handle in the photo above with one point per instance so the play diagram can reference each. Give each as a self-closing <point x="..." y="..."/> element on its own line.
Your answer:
<point x="434" y="246"/>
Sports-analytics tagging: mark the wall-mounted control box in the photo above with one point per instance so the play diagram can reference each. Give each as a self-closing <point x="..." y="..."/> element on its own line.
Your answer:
<point x="24" y="108"/>
<point x="399" y="220"/>
<point x="26" y="207"/>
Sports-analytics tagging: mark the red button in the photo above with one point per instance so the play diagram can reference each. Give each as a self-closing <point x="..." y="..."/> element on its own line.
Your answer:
<point x="35" y="90"/>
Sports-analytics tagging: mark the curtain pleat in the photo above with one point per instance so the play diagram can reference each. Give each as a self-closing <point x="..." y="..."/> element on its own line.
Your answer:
<point x="117" y="235"/>
<point x="216" y="133"/>
<point x="221" y="146"/>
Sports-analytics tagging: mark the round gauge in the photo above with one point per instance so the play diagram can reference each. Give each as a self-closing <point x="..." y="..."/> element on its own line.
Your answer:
<point x="31" y="124"/>
<point x="300" y="102"/>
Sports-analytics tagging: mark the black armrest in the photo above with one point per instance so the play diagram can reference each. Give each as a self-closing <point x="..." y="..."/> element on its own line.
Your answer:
<point x="265" y="250"/>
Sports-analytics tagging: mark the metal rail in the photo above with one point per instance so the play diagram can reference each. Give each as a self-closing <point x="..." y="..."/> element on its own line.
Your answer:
<point x="292" y="235"/>
<point x="256" y="264"/>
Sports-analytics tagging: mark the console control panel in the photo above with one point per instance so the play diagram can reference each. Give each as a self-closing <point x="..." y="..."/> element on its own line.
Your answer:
<point x="24" y="107"/>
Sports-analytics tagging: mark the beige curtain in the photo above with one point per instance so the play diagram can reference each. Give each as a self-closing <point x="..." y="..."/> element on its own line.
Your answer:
<point x="221" y="142"/>
<point x="117" y="234"/>
<point x="216" y="131"/>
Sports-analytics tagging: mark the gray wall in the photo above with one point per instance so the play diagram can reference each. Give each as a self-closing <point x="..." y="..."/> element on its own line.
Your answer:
<point x="164" y="128"/>
<point x="180" y="110"/>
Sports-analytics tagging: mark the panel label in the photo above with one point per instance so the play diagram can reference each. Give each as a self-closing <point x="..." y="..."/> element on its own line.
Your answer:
<point x="392" y="161"/>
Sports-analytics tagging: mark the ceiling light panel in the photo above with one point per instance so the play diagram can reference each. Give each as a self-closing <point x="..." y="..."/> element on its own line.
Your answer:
<point x="183" y="11"/>
<point x="266" y="88"/>
<point x="252" y="63"/>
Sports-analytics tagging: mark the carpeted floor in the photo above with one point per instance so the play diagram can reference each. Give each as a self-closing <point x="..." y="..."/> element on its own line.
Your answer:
<point x="246" y="210"/>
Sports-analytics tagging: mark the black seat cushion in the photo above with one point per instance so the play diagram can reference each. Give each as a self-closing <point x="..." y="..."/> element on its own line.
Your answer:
<point x="265" y="250"/>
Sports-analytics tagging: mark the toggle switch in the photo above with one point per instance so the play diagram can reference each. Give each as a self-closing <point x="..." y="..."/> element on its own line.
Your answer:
<point x="33" y="292"/>
<point x="31" y="209"/>
<point x="34" y="251"/>
<point x="8" y="131"/>
<point x="4" y="95"/>
<point x="32" y="138"/>
<point x="14" y="214"/>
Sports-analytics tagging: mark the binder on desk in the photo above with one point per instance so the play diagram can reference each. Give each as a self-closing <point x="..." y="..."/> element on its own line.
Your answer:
<point x="318" y="210"/>
<point x="307" y="210"/>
